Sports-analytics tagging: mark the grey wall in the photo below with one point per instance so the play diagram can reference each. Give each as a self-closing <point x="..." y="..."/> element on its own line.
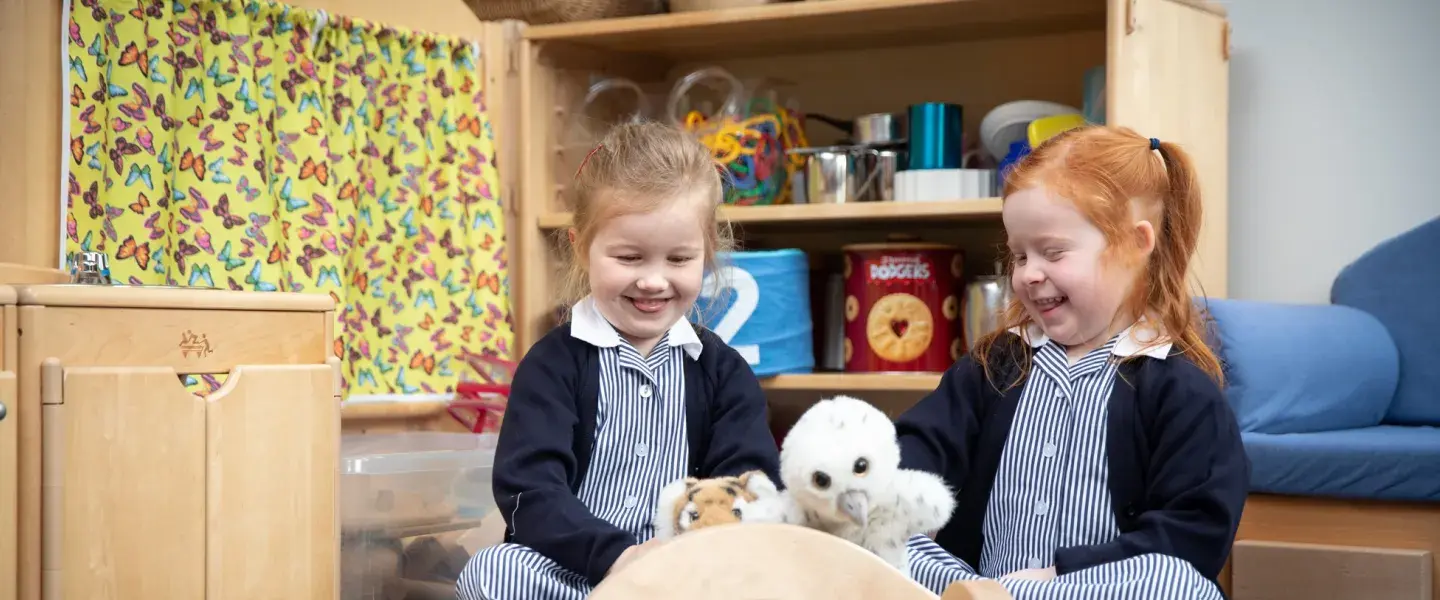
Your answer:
<point x="1334" y="137"/>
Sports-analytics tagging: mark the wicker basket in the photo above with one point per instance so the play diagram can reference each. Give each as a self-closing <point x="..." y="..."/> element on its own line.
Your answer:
<point x="537" y="12"/>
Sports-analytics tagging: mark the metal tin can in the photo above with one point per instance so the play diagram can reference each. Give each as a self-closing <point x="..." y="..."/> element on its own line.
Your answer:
<point x="985" y="302"/>
<point x="935" y="136"/>
<point x="901" y="307"/>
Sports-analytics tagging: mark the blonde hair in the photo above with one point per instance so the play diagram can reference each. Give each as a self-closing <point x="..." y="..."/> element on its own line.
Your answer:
<point x="1105" y="171"/>
<point x="638" y="168"/>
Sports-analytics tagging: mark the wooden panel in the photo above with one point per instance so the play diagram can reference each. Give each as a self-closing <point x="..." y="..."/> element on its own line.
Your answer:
<point x="532" y="275"/>
<point x="13" y="274"/>
<point x="31" y="109"/>
<point x="1168" y="78"/>
<point x="9" y="488"/>
<point x="786" y="28"/>
<point x="26" y="417"/>
<point x="274" y="457"/>
<point x="1395" y="525"/>
<point x="124" y="474"/>
<point x="108" y="296"/>
<point x="1280" y="571"/>
<point x="189" y="341"/>
<point x="502" y="99"/>
<point x="9" y="337"/>
<point x="848" y="383"/>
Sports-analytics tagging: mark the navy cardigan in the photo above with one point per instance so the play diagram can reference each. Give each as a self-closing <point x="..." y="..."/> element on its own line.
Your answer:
<point x="1178" y="472"/>
<point x="545" y="443"/>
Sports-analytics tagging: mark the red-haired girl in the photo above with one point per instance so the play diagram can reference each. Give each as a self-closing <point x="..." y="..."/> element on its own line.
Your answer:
<point x="1091" y="444"/>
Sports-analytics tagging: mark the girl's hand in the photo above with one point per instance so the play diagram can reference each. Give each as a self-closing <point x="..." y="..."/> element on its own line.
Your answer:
<point x="1045" y="574"/>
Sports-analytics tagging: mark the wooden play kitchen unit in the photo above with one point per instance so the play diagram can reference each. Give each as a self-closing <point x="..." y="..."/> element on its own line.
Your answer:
<point x="116" y="481"/>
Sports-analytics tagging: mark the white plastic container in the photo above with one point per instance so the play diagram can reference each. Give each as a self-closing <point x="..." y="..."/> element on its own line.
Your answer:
<point x="405" y="498"/>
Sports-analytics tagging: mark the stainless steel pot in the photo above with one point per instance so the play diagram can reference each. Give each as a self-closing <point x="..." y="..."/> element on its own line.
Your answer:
<point x="985" y="300"/>
<point x="835" y="174"/>
<point x="879" y="167"/>
<point x="879" y="129"/>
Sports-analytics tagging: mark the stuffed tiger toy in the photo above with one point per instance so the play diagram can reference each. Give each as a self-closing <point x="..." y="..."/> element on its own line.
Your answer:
<point x="691" y="503"/>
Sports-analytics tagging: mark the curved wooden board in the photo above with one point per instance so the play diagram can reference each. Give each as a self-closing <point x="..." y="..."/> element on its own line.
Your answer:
<point x="755" y="561"/>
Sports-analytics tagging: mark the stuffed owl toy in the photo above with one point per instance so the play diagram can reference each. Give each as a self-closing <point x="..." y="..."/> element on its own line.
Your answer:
<point x="840" y="464"/>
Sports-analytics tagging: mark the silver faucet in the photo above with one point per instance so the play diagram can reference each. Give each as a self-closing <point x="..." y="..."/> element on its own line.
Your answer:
<point x="91" y="268"/>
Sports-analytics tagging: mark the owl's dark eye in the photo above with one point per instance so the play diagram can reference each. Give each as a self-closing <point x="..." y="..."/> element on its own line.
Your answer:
<point x="862" y="466"/>
<point x="820" y="479"/>
<point x="736" y="512"/>
<point x="694" y="514"/>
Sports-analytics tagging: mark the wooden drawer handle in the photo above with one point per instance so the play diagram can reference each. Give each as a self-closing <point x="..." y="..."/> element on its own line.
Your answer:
<point x="3" y="410"/>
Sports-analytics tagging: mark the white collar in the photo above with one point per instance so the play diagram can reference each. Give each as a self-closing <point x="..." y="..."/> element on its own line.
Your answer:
<point x="1133" y="339"/>
<point x="588" y="325"/>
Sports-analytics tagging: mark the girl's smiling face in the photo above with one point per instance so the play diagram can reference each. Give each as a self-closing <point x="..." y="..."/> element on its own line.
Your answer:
<point x="1062" y="274"/>
<point x="646" y="269"/>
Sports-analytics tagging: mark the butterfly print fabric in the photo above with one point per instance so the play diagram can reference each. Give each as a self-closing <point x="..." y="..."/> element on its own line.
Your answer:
<point x="249" y="145"/>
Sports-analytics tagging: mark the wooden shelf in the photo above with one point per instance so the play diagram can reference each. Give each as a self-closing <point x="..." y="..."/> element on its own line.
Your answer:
<point x="807" y="27"/>
<point x="837" y="214"/>
<point x="842" y="383"/>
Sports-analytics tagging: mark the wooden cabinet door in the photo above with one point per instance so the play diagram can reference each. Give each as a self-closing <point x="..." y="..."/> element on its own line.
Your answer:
<point x="1167" y="77"/>
<point x="123" y="482"/>
<point x="272" y="482"/>
<point x="9" y="488"/>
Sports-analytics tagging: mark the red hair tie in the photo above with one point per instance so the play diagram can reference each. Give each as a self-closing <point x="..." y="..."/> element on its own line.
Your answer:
<point x="587" y="159"/>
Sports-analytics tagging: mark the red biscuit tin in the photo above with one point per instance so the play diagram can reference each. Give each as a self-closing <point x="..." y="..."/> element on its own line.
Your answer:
<point x="902" y="307"/>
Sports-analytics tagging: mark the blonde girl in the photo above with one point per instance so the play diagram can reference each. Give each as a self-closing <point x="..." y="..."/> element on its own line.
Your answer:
<point x="1091" y="444"/>
<point x="627" y="395"/>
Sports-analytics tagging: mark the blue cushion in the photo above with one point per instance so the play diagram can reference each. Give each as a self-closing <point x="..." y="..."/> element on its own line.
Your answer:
<point x="1398" y="281"/>
<point x="1387" y="462"/>
<point x="1297" y="368"/>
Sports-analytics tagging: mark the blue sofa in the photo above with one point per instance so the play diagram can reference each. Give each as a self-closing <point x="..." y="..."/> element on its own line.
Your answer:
<point x="1342" y="401"/>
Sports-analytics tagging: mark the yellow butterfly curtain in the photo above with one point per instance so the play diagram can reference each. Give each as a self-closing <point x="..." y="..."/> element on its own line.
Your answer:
<point x="255" y="146"/>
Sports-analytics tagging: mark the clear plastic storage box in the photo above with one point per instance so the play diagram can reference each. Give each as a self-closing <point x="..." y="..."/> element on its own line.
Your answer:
<point x="406" y="499"/>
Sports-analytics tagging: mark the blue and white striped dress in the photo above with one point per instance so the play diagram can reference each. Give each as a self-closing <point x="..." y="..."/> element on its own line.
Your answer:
<point x="640" y="445"/>
<point x="1051" y="491"/>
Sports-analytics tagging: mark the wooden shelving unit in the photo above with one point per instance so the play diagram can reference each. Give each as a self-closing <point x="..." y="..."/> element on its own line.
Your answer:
<point x="1167" y="77"/>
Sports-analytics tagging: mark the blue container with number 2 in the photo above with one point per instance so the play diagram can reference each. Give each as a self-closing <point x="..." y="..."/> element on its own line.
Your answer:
<point x="759" y="303"/>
